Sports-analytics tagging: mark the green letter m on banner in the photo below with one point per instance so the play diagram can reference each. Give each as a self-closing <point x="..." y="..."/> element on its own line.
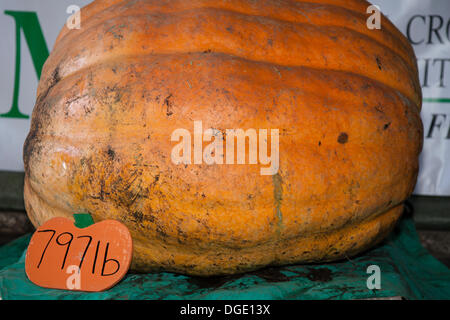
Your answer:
<point x="29" y="23"/>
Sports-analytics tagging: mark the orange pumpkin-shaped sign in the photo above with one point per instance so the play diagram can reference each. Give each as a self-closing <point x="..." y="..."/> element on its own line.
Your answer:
<point x="81" y="256"/>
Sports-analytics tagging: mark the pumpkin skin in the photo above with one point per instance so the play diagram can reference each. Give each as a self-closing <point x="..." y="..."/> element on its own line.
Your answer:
<point x="346" y="100"/>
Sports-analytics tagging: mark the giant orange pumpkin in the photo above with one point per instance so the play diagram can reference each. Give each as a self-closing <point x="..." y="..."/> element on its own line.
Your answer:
<point x="346" y="101"/>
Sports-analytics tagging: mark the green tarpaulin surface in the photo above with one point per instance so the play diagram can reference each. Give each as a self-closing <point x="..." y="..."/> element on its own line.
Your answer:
<point x="407" y="270"/>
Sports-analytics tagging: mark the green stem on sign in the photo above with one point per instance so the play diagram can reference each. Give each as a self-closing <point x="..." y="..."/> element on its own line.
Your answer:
<point x="83" y="220"/>
<point x="437" y="100"/>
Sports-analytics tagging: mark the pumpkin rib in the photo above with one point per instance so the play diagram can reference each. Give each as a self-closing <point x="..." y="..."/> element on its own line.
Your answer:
<point x="356" y="5"/>
<point x="41" y="198"/>
<point x="189" y="260"/>
<point x="337" y="98"/>
<point x="53" y="145"/>
<point x="311" y="202"/>
<point x="36" y="200"/>
<point x="360" y="7"/>
<point x="247" y="9"/>
<point x="112" y="60"/>
<point x="416" y="101"/>
<point x="390" y="48"/>
<point x="86" y="13"/>
<point x="276" y="238"/>
<point x="351" y="221"/>
<point x="139" y="136"/>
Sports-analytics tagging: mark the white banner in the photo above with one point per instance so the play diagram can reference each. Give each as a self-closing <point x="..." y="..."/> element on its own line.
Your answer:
<point x="28" y="30"/>
<point x="426" y="23"/>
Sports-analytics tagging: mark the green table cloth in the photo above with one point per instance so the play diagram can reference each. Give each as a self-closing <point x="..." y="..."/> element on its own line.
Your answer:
<point x="406" y="270"/>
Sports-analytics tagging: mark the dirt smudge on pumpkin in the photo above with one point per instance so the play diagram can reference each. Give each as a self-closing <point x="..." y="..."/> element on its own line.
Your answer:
<point x="379" y="63"/>
<point x="343" y="138"/>
<point x="379" y="108"/>
<point x="55" y="76"/>
<point x="42" y="118"/>
<point x="111" y="153"/>
<point x="138" y="216"/>
<point x="52" y="81"/>
<point x="278" y="196"/>
<point x="103" y="177"/>
<point x="169" y="105"/>
<point x="116" y="31"/>
<point x="30" y="145"/>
